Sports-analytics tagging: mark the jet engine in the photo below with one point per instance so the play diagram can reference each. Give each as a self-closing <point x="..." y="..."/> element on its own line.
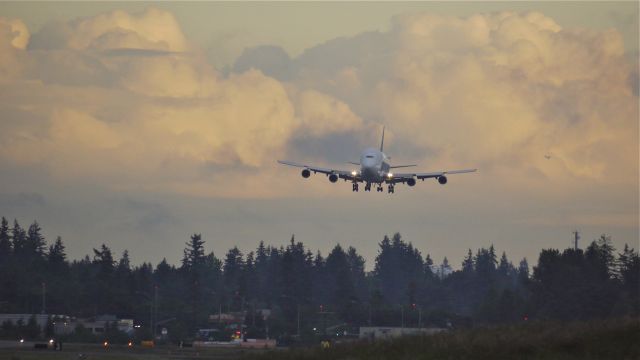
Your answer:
<point x="333" y="178"/>
<point x="411" y="182"/>
<point x="442" y="179"/>
<point x="306" y="173"/>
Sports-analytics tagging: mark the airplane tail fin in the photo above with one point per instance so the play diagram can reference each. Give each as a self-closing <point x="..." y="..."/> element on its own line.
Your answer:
<point x="382" y="142"/>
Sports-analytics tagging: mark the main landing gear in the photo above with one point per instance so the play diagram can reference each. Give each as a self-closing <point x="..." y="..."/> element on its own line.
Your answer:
<point x="367" y="187"/>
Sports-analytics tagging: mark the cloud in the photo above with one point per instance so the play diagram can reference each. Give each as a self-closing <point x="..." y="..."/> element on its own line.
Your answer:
<point x="496" y="91"/>
<point x="14" y="37"/>
<point x="108" y="100"/>
<point x="151" y="29"/>
<point x="111" y="101"/>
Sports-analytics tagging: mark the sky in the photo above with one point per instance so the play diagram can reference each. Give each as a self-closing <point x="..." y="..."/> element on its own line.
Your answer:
<point x="139" y="124"/>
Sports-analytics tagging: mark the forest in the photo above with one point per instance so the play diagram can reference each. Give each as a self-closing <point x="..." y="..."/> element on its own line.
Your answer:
<point x="308" y="293"/>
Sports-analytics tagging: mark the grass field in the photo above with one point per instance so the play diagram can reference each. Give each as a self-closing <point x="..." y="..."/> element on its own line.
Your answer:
<point x="97" y="352"/>
<point x="617" y="339"/>
<point x="610" y="339"/>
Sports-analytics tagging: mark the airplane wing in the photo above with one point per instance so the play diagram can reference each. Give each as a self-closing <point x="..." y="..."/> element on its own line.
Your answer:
<point x="342" y="174"/>
<point x="421" y="176"/>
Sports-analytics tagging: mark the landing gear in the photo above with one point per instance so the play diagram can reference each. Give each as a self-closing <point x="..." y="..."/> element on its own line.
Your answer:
<point x="379" y="188"/>
<point x="391" y="189"/>
<point x="367" y="187"/>
<point x="355" y="187"/>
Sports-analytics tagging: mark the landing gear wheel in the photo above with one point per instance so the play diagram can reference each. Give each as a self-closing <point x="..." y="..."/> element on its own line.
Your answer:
<point x="367" y="187"/>
<point x="379" y="188"/>
<point x="355" y="187"/>
<point x="391" y="189"/>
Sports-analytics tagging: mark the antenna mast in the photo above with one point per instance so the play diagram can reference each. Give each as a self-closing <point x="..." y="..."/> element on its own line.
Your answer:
<point x="576" y="237"/>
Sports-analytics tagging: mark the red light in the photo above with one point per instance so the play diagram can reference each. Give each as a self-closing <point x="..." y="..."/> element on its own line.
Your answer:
<point x="237" y="332"/>
<point x="525" y="318"/>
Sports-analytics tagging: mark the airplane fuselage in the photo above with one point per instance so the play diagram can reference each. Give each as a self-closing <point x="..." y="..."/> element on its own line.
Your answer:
<point x="374" y="166"/>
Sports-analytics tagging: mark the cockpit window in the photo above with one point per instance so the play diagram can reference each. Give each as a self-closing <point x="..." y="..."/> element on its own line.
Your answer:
<point x="370" y="156"/>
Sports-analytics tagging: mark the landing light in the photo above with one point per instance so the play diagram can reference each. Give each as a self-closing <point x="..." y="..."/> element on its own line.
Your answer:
<point x="390" y="175"/>
<point x="51" y="341"/>
<point x="354" y="173"/>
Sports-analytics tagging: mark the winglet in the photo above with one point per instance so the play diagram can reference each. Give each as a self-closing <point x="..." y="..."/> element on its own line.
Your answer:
<point x="382" y="142"/>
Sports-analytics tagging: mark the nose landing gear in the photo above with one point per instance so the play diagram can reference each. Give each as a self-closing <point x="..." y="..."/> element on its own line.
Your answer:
<point x="391" y="189"/>
<point x="355" y="187"/>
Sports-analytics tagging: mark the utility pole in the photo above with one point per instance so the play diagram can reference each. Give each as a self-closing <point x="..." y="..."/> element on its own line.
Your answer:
<point x="576" y="237"/>
<point x="155" y="309"/>
<point x="44" y="297"/>
<point x="402" y="315"/>
<point x="298" y="320"/>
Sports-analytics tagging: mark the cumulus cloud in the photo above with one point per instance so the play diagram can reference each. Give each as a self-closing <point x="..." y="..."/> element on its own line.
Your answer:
<point x="494" y="90"/>
<point x="14" y="37"/>
<point x="152" y="29"/>
<point x="125" y="101"/>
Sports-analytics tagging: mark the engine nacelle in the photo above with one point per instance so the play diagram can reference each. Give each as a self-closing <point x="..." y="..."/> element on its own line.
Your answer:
<point x="411" y="182"/>
<point x="333" y="178"/>
<point x="442" y="179"/>
<point x="306" y="173"/>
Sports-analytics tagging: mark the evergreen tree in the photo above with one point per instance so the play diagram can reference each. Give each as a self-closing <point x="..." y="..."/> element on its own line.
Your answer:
<point x="19" y="239"/>
<point x="35" y="244"/>
<point x="5" y="241"/>
<point x="232" y="272"/>
<point x="523" y="270"/>
<point x="194" y="253"/>
<point x="124" y="265"/>
<point x="504" y="266"/>
<point x="467" y="263"/>
<point x="57" y="256"/>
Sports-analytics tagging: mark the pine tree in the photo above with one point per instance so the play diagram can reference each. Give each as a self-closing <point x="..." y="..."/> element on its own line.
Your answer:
<point x="124" y="264"/>
<point x="19" y="239"/>
<point x="104" y="259"/>
<point x="193" y="253"/>
<point x="503" y="267"/>
<point x="467" y="263"/>
<point x="35" y="245"/>
<point x="523" y="270"/>
<point x="57" y="256"/>
<point x="5" y="241"/>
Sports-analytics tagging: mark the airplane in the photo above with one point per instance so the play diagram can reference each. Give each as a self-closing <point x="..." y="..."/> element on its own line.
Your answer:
<point x="375" y="169"/>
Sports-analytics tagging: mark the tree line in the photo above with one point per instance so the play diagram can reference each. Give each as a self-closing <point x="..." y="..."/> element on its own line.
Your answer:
<point x="405" y="287"/>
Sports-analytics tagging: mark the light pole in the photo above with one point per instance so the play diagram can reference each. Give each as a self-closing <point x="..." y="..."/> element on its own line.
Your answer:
<point x="152" y="307"/>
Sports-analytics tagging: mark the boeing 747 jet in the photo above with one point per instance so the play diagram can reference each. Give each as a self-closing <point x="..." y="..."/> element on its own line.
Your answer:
<point x="375" y="169"/>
